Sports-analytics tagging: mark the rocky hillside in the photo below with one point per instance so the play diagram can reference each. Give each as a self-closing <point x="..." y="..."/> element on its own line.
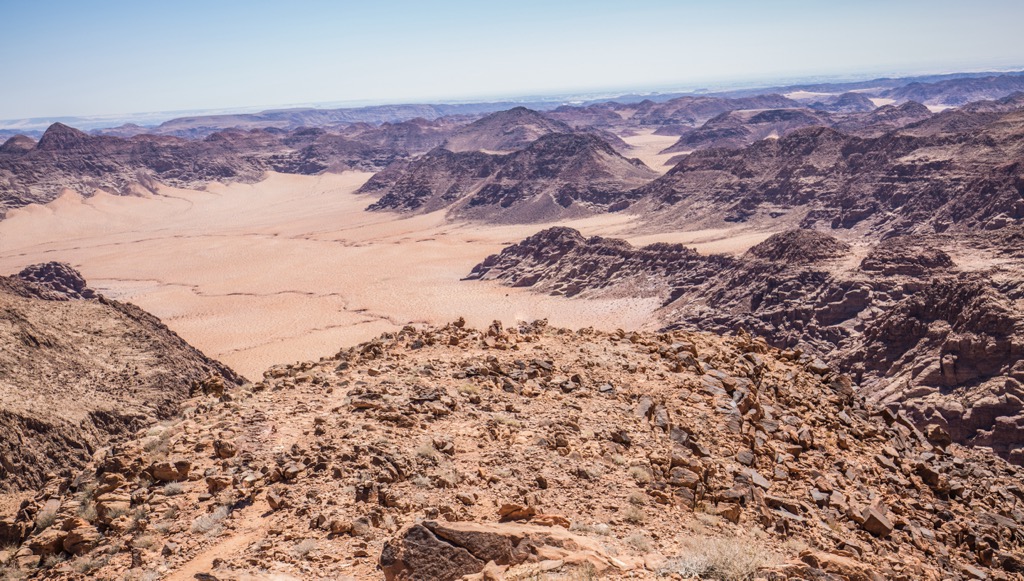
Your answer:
<point x="559" y="175"/>
<point x="944" y="342"/>
<point x="532" y="453"/>
<point x="78" y="370"/>
<point x="956" y="170"/>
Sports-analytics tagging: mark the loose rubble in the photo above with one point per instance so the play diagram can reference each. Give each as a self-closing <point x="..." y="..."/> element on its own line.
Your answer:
<point x="532" y="452"/>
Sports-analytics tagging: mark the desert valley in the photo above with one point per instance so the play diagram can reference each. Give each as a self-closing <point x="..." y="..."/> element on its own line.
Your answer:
<point x="759" y="333"/>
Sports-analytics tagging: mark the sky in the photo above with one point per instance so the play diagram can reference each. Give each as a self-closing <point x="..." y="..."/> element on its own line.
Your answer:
<point x="96" y="57"/>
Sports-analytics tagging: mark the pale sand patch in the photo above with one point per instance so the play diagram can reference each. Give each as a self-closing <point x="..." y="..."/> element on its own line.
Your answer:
<point x="733" y="241"/>
<point x="291" y="268"/>
<point x="647" y="146"/>
<point x="939" y="108"/>
<point x="882" y="102"/>
<point x="807" y="95"/>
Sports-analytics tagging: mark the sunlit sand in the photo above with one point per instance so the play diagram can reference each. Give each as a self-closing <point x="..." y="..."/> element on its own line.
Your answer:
<point x="291" y="268"/>
<point x="647" y="147"/>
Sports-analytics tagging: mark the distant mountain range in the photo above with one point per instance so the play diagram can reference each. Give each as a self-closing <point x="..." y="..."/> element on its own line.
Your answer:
<point x="952" y="88"/>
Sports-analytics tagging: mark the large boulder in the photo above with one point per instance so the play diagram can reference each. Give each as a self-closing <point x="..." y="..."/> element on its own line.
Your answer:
<point x="447" y="551"/>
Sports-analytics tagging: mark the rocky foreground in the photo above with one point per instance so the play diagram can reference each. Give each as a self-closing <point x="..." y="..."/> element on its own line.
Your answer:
<point x="530" y="453"/>
<point x="942" y="340"/>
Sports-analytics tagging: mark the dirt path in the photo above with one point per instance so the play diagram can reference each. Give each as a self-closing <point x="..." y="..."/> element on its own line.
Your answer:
<point x="248" y="530"/>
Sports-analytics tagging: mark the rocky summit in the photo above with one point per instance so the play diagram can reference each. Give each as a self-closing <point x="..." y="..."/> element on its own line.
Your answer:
<point x="449" y="452"/>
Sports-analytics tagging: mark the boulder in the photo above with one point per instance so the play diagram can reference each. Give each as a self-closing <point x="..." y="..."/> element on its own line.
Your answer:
<point x="81" y="540"/>
<point x="170" y="472"/>
<point x="420" y="555"/>
<point x="875" y="522"/>
<point x="48" y="542"/>
<point x="448" y="551"/>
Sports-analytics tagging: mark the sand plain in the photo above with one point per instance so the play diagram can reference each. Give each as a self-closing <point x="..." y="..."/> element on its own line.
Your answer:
<point x="647" y="147"/>
<point x="293" y="268"/>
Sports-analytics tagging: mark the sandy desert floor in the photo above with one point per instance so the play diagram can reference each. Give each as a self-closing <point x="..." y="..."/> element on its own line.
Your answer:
<point x="292" y="268"/>
<point x="647" y="147"/>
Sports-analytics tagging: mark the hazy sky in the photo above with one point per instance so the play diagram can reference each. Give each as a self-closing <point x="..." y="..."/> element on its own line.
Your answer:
<point x="109" y="57"/>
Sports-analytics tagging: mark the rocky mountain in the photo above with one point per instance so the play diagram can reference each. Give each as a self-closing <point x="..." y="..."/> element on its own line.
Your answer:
<point x="736" y="129"/>
<point x="66" y="158"/>
<point x="504" y="131"/>
<point x="912" y="328"/>
<point x="882" y="120"/>
<point x="845" y="103"/>
<point x="297" y="118"/>
<point x="671" y="117"/>
<point x="956" y="92"/>
<point x="18" y="144"/>
<point x="413" y="136"/>
<point x="517" y="453"/>
<point x="79" y="371"/>
<point x="954" y="170"/>
<point x="558" y="175"/>
<point x="740" y="128"/>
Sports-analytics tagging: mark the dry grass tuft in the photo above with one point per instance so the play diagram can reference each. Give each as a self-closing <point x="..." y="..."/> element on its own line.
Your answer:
<point x="723" y="559"/>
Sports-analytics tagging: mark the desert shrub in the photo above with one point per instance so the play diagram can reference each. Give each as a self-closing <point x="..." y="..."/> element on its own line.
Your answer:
<point x="634" y="515"/>
<point x="12" y="573"/>
<point x="45" y="518"/>
<point x="171" y="512"/>
<point x="116" y="512"/>
<point x="54" y="560"/>
<point x="86" y="564"/>
<point x="211" y="523"/>
<point x="639" y="542"/>
<point x="140" y="575"/>
<point x="724" y="559"/>
<point x="173" y="489"/>
<point x="640" y="474"/>
<point x="87" y="510"/>
<point x="304" y="548"/>
<point x="427" y="452"/>
<point x="599" y="529"/>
